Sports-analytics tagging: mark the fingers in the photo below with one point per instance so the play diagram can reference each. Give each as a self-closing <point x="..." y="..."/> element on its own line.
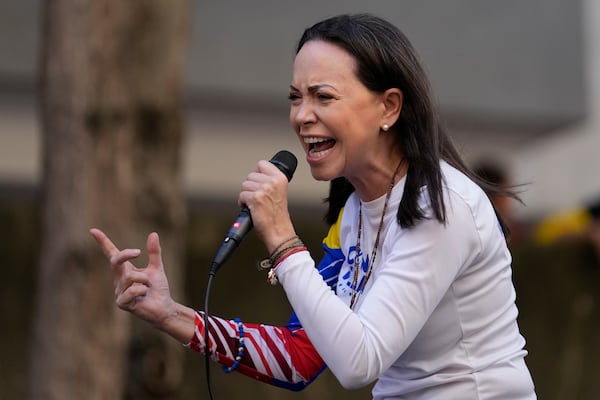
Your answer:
<point x="107" y="246"/>
<point x="263" y="184"/>
<point x="131" y="278"/>
<point x="112" y="252"/>
<point x="265" y="173"/>
<point x="271" y="169"/>
<point x="129" y="297"/>
<point x="130" y="285"/>
<point x="154" y="251"/>
<point x="123" y="256"/>
<point x="116" y="257"/>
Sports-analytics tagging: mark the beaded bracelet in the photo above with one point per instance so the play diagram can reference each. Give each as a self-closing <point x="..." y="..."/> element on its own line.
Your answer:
<point x="241" y="347"/>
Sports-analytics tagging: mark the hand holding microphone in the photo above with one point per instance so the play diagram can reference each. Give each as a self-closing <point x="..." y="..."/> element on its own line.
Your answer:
<point x="265" y="193"/>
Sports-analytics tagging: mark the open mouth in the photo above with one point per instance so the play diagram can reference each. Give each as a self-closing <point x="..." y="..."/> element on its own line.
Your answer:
<point x="318" y="147"/>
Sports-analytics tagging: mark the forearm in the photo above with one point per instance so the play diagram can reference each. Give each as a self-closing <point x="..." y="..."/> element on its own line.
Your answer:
<point x="335" y="330"/>
<point x="180" y="324"/>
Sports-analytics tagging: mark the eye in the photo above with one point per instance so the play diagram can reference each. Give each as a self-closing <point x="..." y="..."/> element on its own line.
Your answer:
<point x="322" y="96"/>
<point x="293" y="96"/>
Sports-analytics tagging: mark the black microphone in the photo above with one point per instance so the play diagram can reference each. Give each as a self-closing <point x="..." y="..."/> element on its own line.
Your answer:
<point x="286" y="162"/>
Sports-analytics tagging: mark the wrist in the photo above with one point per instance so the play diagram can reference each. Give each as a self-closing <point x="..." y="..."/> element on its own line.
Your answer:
<point x="278" y="241"/>
<point x="179" y="323"/>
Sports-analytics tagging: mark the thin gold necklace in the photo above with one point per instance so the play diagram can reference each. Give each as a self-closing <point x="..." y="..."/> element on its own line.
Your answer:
<point x="356" y="291"/>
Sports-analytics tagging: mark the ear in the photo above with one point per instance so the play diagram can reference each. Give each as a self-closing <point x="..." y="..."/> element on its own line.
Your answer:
<point x="392" y="100"/>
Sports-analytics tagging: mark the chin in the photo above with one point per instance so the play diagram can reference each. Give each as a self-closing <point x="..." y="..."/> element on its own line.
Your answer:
<point x="320" y="174"/>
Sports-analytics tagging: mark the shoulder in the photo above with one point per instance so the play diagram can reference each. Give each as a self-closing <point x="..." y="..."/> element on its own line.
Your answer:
<point x="466" y="200"/>
<point x="457" y="182"/>
<point x="461" y="191"/>
<point x="466" y="204"/>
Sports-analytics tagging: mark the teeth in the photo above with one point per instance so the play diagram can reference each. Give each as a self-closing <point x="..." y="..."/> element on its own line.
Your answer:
<point x="310" y="140"/>
<point x="321" y="153"/>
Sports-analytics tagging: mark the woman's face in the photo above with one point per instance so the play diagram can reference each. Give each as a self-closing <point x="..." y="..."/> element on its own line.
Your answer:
<point x="336" y="117"/>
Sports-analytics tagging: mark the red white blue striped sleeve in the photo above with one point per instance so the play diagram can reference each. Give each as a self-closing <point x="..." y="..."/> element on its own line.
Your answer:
<point x="274" y="355"/>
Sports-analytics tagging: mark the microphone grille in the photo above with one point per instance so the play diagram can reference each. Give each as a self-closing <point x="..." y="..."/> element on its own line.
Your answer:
<point x="286" y="162"/>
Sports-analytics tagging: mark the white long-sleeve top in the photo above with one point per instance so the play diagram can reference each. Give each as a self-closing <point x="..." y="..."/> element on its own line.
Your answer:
<point x="437" y="318"/>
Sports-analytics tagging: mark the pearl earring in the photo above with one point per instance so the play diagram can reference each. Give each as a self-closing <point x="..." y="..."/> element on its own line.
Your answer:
<point x="385" y="127"/>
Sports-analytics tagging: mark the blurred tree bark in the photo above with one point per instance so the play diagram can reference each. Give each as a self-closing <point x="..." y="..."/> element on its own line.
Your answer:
<point x="111" y="105"/>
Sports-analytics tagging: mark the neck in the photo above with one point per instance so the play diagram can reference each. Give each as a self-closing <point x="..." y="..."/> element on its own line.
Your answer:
<point x="376" y="185"/>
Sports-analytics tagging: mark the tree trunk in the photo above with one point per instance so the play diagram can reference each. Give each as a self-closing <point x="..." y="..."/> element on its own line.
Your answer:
<point x="111" y="122"/>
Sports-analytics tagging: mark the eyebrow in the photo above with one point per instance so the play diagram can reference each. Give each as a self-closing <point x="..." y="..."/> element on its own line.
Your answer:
<point x="314" y="88"/>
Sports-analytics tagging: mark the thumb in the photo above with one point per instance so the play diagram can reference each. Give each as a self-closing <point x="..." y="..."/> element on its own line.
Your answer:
<point x="154" y="251"/>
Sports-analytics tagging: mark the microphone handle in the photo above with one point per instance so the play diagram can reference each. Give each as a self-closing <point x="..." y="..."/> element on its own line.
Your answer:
<point x="241" y="226"/>
<point x="286" y="162"/>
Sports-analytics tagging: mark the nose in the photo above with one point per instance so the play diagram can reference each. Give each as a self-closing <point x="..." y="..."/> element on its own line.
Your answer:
<point x="302" y="114"/>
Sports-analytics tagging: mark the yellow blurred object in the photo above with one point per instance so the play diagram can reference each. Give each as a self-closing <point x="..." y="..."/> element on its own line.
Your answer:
<point x="563" y="224"/>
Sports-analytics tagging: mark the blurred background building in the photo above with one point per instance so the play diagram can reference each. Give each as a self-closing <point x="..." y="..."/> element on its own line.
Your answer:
<point x="516" y="80"/>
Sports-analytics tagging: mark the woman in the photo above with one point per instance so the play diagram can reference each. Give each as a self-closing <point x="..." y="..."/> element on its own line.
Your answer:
<point x="415" y="288"/>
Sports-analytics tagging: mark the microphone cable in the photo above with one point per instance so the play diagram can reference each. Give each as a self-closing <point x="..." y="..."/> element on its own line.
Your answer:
<point x="211" y="275"/>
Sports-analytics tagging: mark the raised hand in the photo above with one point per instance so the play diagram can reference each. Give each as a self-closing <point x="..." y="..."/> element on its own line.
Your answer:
<point x="142" y="291"/>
